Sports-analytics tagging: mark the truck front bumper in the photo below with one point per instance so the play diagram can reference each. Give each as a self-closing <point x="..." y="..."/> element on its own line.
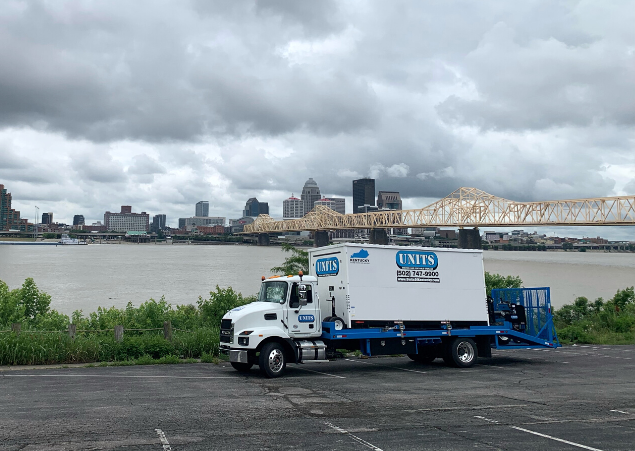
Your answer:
<point x="238" y="356"/>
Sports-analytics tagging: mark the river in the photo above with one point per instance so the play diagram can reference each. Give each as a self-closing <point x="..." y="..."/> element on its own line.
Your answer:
<point x="85" y="277"/>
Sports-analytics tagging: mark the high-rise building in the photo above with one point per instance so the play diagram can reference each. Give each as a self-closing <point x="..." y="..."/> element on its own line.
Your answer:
<point x="328" y="203"/>
<point x="340" y="204"/>
<point x="310" y="194"/>
<point x="292" y="208"/>
<point x="202" y="208"/>
<point x="158" y="223"/>
<point x="10" y="218"/>
<point x="254" y="208"/>
<point x="363" y="193"/>
<point x="389" y="200"/>
<point x="47" y="218"/>
<point x="78" y="220"/>
<point x="127" y="221"/>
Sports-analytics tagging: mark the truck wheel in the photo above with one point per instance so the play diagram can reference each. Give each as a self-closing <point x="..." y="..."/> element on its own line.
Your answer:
<point x="242" y="367"/>
<point x="272" y="362"/>
<point x="461" y="352"/>
<point x="419" y="358"/>
<point x="339" y="323"/>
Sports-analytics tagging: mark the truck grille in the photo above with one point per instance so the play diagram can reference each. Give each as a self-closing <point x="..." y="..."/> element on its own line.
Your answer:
<point x="226" y="331"/>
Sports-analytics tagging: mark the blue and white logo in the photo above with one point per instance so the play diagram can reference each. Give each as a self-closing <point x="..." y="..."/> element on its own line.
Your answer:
<point x="306" y="318"/>
<point x="327" y="267"/>
<point x="417" y="260"/>
<point x="360" y="256"/>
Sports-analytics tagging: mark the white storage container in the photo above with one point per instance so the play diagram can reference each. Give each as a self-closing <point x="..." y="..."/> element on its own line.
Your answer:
<point x="373" y="283"/>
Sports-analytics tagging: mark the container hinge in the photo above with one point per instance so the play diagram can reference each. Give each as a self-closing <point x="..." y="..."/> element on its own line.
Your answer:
<point x="402" y="328"/>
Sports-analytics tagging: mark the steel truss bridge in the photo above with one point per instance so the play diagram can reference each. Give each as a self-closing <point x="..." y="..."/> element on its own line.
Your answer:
<point x="465" y="207"/>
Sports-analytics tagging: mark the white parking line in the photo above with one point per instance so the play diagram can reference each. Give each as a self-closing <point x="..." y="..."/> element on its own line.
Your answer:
<point x="555" y="438"/>
<point x="541" y="435"/>
<point x="620" y="411"/>
<point x="164" y="440"/>
<point x="433" y="409"/>
<point x="354" y="437"/>
<point x="386" y="366"/>
<point x="319" y="372"/>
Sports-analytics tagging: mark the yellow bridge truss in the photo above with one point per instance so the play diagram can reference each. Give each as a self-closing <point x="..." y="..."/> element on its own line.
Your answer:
<point x="465" y="207"/>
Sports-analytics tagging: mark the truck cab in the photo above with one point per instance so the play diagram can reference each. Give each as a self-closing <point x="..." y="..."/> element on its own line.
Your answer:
<point x="283" y="325"/>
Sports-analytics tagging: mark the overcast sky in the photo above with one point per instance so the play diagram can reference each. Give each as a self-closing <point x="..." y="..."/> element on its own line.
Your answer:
<point x="160" y="104"/>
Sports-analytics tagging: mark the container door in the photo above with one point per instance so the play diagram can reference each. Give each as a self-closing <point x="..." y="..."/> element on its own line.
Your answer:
<point x="303" y="320"/>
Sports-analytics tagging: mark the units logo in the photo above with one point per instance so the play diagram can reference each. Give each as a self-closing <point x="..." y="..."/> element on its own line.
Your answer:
<point x="360" y="257"/>
<point x="306" y="318"/>
<point x="327" y="267"/>
<point x="417" y="266"/>
<point x="417" y="260"/>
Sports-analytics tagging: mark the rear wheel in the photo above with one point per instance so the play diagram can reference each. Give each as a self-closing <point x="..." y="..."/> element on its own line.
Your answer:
<point x="339" y="323"/>
<point x="461" y="352"/>
<point x="272" y="361"/>
<point x="242" y="367"/>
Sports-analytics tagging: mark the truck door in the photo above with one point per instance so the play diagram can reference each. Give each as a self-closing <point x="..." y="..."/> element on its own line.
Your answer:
<point x="303" y="320"/>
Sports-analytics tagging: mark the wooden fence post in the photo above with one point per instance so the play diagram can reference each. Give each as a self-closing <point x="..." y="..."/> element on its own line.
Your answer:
<point x="118" y="333"/>
<point x="167" y="330"/>
<point x="16" y="327"/>
<point x="71" y="330"/>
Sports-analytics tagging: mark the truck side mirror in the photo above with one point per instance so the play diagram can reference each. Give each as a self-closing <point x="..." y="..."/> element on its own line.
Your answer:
<point x="302" y="295"/>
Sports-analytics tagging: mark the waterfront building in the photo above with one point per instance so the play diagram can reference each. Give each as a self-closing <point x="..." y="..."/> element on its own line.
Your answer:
<point x="158" y="223"/>
<point x="340" y="204"/>
<point x="126" y="220"/>
<point x="238" y="225"/>
<point x="195" y="221"/>
<point x="78" y="220"/>
<point x="202" y="208"/>
<point x="389" y="200"/>
<point x="254" y="208"/>
<point x="47" y="218"/>
<point x="363" y="193"/>
<point x="328" y="203"/>
<point x="210" y="230"/>
<point x="292" y="208"/>
<point x="10" y="218"/>
<point x="310" y="194"/>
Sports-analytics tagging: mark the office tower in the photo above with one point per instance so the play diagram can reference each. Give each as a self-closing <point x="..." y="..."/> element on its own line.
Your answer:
<point x="328" y="203"/>
<point x="202" y="208"/>
<point x="158" y="223"/>
<point x="292" y="208"/>
<point x="340" y="204"/>
<point x="310" y="194"/>
<point x="127" y="221"/>
<point x="254" y="208"/>
<point x="389" y="200"/>
<point x="363" y="193"/>
<point x="47" y="218"/>
<point x="9" y="217"/>
<point x="78" y="220"/>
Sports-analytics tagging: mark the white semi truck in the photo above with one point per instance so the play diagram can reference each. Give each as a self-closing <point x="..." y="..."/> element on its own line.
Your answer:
<point x="427" y="303"/>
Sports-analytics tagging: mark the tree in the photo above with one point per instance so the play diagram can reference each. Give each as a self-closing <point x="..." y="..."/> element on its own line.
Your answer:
<point x="298" y="261"/>
<point x="497" y="281"/>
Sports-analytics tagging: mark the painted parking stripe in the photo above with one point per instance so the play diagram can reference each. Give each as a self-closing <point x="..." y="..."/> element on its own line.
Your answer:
<point x="620" y="411"/>
<point x="319" y="372"/>
<point x="164" y="440"/>
<point x="555" y="438"/>
<point x="354" y="437"/>
<point x="435" y="409"/>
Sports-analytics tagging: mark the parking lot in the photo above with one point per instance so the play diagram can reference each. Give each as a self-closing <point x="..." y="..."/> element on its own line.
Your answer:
<point x="579" y="397"/>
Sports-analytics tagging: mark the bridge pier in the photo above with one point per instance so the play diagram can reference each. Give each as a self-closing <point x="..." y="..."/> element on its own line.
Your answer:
<point x="321" y="238"/>
<point x="263" y="239"/>
<point x="469" y="239"/>
<point x="378" y="236"/>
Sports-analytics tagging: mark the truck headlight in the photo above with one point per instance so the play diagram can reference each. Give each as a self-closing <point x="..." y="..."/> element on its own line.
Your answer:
<point x="243" y="341"/>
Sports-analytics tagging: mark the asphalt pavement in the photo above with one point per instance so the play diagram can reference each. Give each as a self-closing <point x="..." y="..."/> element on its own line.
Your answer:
<point x="577" y="397"/>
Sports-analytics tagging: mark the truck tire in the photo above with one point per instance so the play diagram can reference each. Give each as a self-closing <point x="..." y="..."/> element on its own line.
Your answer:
<point x="339" y="323"/>
<point x="242" y="367"/>
<point x="422" y="358"/>
<point x="461" y="352"/>
<point x="272" y="361"/>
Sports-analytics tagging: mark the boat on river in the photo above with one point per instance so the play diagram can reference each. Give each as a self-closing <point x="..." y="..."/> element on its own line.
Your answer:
<point x="68" y="240"/>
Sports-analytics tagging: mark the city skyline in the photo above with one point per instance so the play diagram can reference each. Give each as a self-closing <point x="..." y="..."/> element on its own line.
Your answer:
<point x="531" y="101"/>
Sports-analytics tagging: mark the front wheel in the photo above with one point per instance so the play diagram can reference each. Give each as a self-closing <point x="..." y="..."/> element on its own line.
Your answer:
<point x="242" y="367"/>
<point x="461" y="352"/>
<point x="272" y="361"/>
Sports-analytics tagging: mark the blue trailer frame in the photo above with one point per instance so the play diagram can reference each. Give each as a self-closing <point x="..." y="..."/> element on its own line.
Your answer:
<point x="537" y="331"/>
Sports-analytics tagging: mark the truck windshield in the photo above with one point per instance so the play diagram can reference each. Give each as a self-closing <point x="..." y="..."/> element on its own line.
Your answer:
<point x="273" y="292"/>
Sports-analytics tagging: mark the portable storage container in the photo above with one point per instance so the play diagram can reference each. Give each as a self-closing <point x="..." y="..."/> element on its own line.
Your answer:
<point x="373" y="285"/>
